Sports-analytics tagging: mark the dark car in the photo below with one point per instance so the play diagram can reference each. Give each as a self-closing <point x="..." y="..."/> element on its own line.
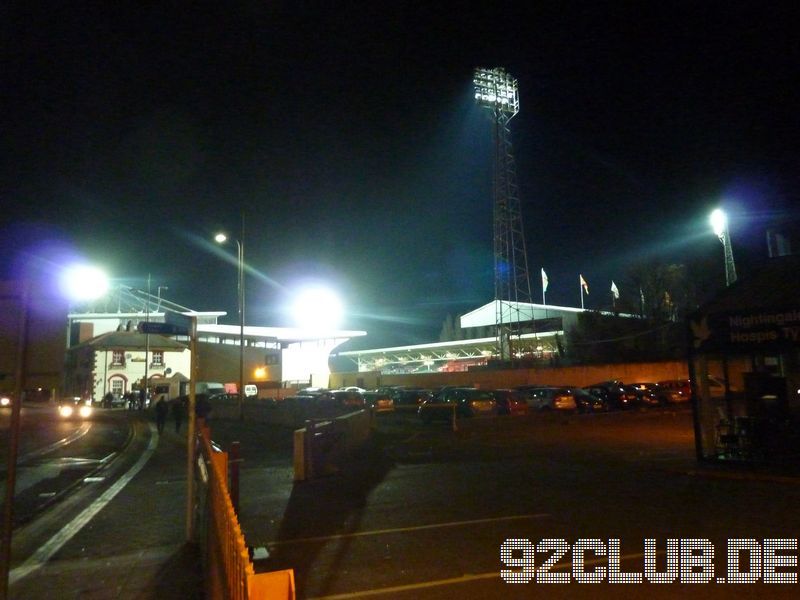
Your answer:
<point x="510" y="402"/>
<point x="646" y="394"/>
<point x="586" y="402"/>
<point x="226" y="397"/>
<point x="551" y="398"/>
<point x="410" y="397"/>
<point x="613" y="394"/>
<point x="467" y="402"/>
<point x="348" y="398"/>
<point x="676" y="390"/>
<point x="379" y="401"/>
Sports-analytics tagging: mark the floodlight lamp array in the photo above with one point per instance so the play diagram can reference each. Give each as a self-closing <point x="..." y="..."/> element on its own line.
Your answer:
<point x="496" y="89"/>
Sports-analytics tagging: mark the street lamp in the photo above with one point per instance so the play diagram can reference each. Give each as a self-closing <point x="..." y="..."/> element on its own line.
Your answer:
<point x="221" y="238"/>
<point x="719" y="223"/>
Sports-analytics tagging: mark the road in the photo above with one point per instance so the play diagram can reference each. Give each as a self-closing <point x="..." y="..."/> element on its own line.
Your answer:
<point x="426" y="514"/>
<point x="65" y="469"/>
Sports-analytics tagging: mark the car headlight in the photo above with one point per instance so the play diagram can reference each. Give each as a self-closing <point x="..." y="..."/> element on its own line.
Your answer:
<point x="65" y="410"/>
<point x="85" y="411"/>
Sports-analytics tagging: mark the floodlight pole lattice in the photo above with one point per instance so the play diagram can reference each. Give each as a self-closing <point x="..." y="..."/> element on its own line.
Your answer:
<point x="498" y="92"/>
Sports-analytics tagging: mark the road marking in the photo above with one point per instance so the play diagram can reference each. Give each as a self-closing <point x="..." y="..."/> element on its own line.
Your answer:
<point x="77" y="434"/>
<point x="55" y="543"/>
<point x="458" y="580"/>
<point x="341" y="536"/>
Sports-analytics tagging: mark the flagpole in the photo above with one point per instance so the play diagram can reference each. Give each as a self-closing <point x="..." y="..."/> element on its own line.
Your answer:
<point x="580" y="285"/>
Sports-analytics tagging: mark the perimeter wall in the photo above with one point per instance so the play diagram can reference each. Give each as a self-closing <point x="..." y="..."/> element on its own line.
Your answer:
<point x="574" y="376"/>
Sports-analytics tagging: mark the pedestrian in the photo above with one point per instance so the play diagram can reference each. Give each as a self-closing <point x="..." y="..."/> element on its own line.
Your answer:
<point x="177" y="413"/>
<point x="162" y="408"/>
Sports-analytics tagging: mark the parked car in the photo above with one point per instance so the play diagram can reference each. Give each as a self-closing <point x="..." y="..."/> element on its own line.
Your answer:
<point x="410" y="397"/>
<point x="587" y="402"/>
<point x="226" y="397"/>
<point x="468" y="402"/>
<point x="613" y="394"/>
<point x="676" y="390"/>
<point x="646" y="394"/>
<point x="511" y="402"/>
<point x="348" y="399"/>
<point x="379" y="401"/>
<point x="551" y="398"/>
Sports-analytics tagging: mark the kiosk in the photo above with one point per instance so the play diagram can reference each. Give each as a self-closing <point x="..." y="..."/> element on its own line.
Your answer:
<point x="744" y="355"/>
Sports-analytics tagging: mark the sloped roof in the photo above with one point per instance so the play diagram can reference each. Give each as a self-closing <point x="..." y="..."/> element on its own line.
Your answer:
<point x="758" y="313"/>
<point x="132" y="340"/>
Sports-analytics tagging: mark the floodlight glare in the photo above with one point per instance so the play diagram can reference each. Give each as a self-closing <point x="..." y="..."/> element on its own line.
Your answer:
<point x="719" y="222"/>
<point x="497" y="90"/>
<point x="318" y="308"/>
<point x="220" y="238"/>
<point x="83" y="282"/>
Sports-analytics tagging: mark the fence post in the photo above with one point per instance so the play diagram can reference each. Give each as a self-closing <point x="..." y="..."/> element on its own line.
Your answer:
<point x="234" y="465"/>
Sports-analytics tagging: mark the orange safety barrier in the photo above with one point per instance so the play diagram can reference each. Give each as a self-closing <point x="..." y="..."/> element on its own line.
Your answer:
<point x="228" y="569"/>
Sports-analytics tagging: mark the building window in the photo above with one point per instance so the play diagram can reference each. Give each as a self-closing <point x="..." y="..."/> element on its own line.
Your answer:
<point x="118" y="387"/>
<point x="158" y="358"/>
<point x="118" y="357"/>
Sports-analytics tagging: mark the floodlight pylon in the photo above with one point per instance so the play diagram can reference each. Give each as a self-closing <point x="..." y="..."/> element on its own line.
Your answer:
<point x="498" y="92"/>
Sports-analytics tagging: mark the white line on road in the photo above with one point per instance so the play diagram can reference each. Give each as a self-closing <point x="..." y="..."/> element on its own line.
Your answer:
<point x="77" y="434"/>
<point x="458" y="580"/>
<point x="340" y="536"/>
<point x="55" y="543"/>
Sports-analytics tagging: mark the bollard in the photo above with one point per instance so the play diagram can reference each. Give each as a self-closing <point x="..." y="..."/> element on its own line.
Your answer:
<point x="308" y="454"/>
<point x="234" y="465"/>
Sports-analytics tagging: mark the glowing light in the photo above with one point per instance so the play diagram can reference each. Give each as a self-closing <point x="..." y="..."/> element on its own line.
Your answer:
<point x="220" y="238"/>
<point x="719" y="222"/>
<point x="497" y="90"/>
<point x="83" y="282"/>
<point x="260" y="372"/>
<point x="318" y="308"/>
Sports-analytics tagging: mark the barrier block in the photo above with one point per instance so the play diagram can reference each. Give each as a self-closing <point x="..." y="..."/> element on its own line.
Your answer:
<point x="273" y="585"/>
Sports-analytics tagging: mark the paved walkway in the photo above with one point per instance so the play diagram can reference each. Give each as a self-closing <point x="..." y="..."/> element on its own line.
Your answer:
<point x="134" y="547"/>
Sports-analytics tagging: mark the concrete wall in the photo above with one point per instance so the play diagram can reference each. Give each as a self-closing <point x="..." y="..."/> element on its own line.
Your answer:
<point x="576" y="375"/>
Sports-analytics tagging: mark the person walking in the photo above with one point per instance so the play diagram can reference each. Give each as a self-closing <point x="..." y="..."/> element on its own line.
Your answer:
<point x="162" y="408"/>
<point x="177" y="413"/>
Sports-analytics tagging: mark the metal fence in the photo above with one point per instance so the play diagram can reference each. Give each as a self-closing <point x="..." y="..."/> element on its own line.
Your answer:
<point x="229" y="572"/>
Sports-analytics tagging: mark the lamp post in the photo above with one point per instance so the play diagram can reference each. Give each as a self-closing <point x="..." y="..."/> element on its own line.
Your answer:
<point x="221" y="238"/>
<point x="719" y="223"/>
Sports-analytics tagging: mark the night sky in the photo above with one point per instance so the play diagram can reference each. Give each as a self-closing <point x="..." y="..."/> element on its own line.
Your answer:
<point x="349" y="140"/>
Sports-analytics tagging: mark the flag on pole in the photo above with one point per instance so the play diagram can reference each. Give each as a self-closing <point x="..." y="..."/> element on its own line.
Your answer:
<point x="545" y="281"/>
<point x="584" y="285"/>
<point x="614" y="290"/>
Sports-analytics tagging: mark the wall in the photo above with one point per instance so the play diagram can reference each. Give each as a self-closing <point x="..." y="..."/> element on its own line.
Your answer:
<point x="220" y="362"/>
<point x="576" y="375"/>
<point x="44" y="341"/>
